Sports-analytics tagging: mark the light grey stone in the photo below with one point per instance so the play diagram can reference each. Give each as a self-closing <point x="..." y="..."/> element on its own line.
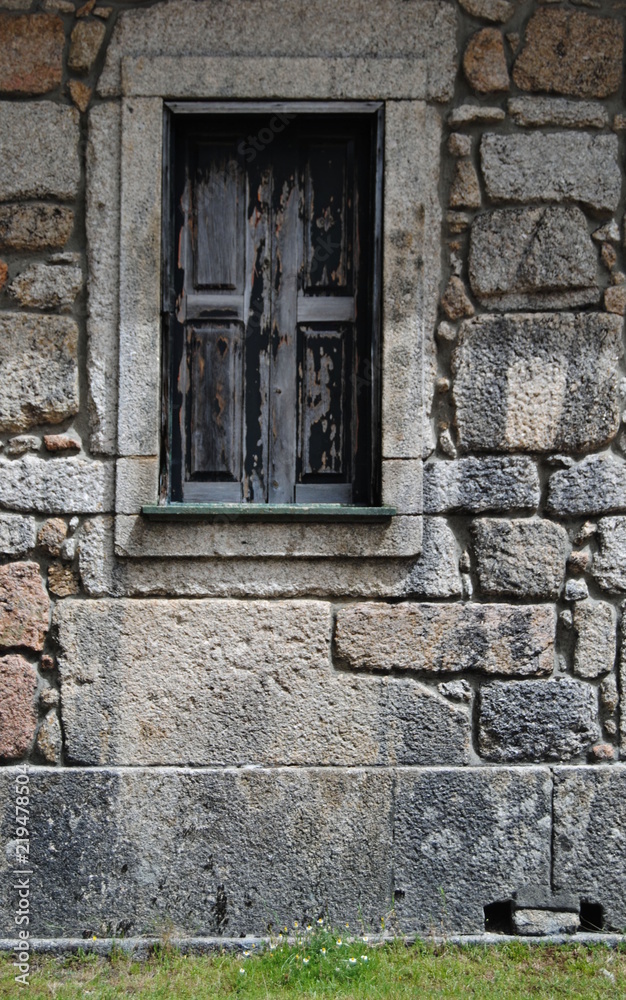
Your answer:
<point x="56" y="486"/>
<point x="520" y="558"/>
<point x="38" y="370"/>
<point x="539" y="923"/>
<point x="489" y="10"/>
<point x="609" y="563"/>
<point x="457" y="690"/>
<point x="576" y="590"/>
<point x="49" y="742"/>
<point x="596" y="485"/>
<point x="423" y="31"/>
<point x="540" y="258"/>
<point x="536" y="111"/>
<point x="608" y="233"/>
<point x="402" y="485"/>
<point x="102" y="222"/>
<point x="471" y="114"/>
<point x="447" y="638"/>
<point x="537" y="720"/>
<point x="531" y="168"/>
<point x="17" y="534"/>
<point x="266" y="847"/>
<point x="541" y="897"/>
<point x="609" y="695"/>
<point x="464" y="839"/>
<point x="22" y="443"/>
<point x="481" y="485"/>
<point x="39" y="151"/>
<point x="136" y="484"/>
<point x="589" y="825"/>
<point x="537" y="381"/>
<point x="235" y="682"/>
<point x="596" y="630"/>
<point x="436" y="572"/>
<point x="47" y="286"/>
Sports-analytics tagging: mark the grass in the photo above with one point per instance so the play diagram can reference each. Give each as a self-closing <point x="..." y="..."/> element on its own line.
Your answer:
<point x="322" y="964"/>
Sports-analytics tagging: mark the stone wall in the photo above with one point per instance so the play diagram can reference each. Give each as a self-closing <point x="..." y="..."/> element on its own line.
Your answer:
<point x="221" y="741"/>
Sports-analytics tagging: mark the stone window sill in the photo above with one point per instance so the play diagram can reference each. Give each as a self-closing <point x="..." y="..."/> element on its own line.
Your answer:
<point x="225" y="512"/>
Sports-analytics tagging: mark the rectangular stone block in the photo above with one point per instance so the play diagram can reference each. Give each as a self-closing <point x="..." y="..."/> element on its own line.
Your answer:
<point x="596" y="638"/>
<point x="537" y="382"/>
<point x="447" y="638"/>
<point x="196" y="852"/>
<point x="56" y="486"/>
<point x="537" y="720"/>
<point x="31" y="58"/>
<point x="596" y="485"/>
<point x="35" y="227"/>
<point x="534" y="111"/>
<point x="39" y="152"/>
<point x="589" y="831"/>
<point x="38" y="370"/>
<point x="552" y="166"/>
<point x="537" y="258"/>
<point x="609" y="562"/>
<point x="436" y="573"/>
<point x="217" y="683"/>
<point x="481" y="485"/>
<point x="464" y="839"/>
<point x="17" y="534"/>
<point x="520" y="558"/>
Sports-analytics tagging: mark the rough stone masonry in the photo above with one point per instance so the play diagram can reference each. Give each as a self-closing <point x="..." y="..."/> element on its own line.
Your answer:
<point x="226" y="731"/>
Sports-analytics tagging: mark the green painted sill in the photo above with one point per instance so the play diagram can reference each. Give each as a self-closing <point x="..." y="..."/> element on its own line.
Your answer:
<point x="226" y="512"/>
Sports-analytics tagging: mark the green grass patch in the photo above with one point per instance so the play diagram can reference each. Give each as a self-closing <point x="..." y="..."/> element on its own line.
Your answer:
<point x="323" y="963"/>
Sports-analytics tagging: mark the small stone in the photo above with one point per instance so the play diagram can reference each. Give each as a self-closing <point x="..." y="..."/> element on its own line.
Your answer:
<point x="69" y="549"/>
<point x="51" y="535"/>
<point x="490" y="10"/>
<point x="455" y="302"/>
<point x="456" y="690"/>
<point x="446" y="444"/>
<point x="540" y="923"/>
<point x="611" y="727"/>
<point x="587" y="531"/>
<point x="35" y="227"/>
<point x="579" y="562"/>
<point x="465" y="563"/>
<point x="619" y="123"/>
<point x="538" y="111"/>
<point x="18" y="712"/>
<point x="484" y="62"/>
<point x="615" y="299"/>
<point x="609" y="696"/>
<point x="46" y="286"/>
<point x="608" y="233"/>
<point x="86" y="8"/>
<point x="468" y="587"/>
<point x="458" y="222"/>
<point x="465" y="190"/>
<point x="596" y="645"/>
<point x="24" y="607"/>
<point x="446" y="332"/>
<point x="61" y="442"/>
<point x="536" y="720"/>
<point x="49" y="698"/>
<point x="47" y="662"/>
<point x="80" y="94"/>
<point x="471" y="114"/>
<point x="513" y="38"/>
<point x="459" y="145"/>
<point x="87" y="37"/>
<point x="520" y="558"/>
<point x="576" y="590"/>
<point x="481" y="485"/>
<point x="442" y="385"/>
<point x="596" y="485"/>
<point x="4" y="274"/>
<point x="609" y="256"/>
<point x="602" y="752"/>
<point x="58" y="6"/>
<point x="31" y="54"/>
<point x="62" y="580"/>
<point x="103" y="12"/>
<point x="22" y="443"/>
<point x="17" y="534"/>
<point x="74" y="522"/>
<point x="566" y="618"/>
<point x="49" y="739"/>
<point x="571" y="53"/>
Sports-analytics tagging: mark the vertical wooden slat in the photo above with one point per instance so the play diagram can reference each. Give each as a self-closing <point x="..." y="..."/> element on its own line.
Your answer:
<point x="218" y="217"/>
<point x="216" y="389"/>
<point x="324" y="402"/>
<point x="328" y="236"/>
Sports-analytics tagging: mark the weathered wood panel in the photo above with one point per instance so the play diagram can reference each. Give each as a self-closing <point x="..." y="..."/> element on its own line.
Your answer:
<point x="218" y="218"/>
<point x="328" y="217"/>
<point x="216" y="401"/>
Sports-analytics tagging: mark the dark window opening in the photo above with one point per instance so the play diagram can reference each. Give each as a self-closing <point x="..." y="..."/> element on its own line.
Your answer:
<point x="272" y="304"/>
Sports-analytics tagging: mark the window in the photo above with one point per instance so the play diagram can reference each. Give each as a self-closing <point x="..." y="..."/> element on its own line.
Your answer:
<point x="272" y="303"/>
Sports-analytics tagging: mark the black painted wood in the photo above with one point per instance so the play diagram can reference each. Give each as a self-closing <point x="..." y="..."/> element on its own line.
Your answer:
<point x="270" y="303"/>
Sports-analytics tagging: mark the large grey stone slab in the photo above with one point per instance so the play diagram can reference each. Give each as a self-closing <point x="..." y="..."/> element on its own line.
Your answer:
<point x="596" y="485"/>
<point x="609" y="562"/>
<point x="540" y="258"/>
<point x="537" y="720"/>
<point x="235" y="682"/>
<point x="38" y="370"/>
<point x="18" y="534"/>
<point x="537" y="382"/>
<point x="56" y="486"/>
<point x="520" y="558"/>
<point x="589" y="832"/>
<point x="534" y="111"/>
<point x="446" y="638"/>
<point x="558" y="166"/>
<point x="481" y="485"/>
<point x="424" y="31"/>
<point x="436" y="572"/>
<point x="596" y="638"/>
<point x="200" y="852"/>
<point x="464" y="839"/>
<point x="39" y="150"/>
